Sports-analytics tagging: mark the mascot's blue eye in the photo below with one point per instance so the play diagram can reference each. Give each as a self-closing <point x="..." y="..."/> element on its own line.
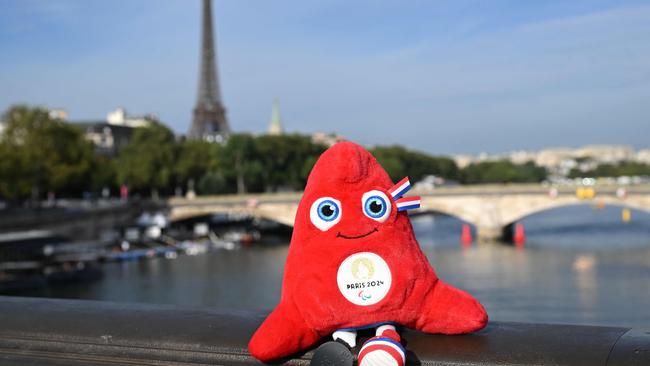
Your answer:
<point x="328" y="210"/>
<point x="325" y="212"/>
<point x="376" y="205"/>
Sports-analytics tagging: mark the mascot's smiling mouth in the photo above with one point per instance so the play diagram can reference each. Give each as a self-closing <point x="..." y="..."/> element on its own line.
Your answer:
<point x="339" y="235"/>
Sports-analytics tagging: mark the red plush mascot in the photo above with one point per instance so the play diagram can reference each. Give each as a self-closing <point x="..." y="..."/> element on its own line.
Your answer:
<point x="353" y="264"/>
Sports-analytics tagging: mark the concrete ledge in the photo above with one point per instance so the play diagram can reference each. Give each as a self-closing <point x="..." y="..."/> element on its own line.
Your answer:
<point x="71" y="332"/>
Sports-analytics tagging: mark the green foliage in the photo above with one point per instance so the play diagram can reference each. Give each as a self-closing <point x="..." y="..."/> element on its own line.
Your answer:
<point x="40" y="154"/>
<point x="241" y="166"/>
<point x="147" y="162"/>
<point x="284" y="160"/>
<point x="502" y="172"/>
<point x="264" y="163"/>
<point x="400" y="162"/>
<point x="194" y="159"/>
<point x="104" y="174"/>
<point x="629" y="169"/>
<point x="211" y="183"/>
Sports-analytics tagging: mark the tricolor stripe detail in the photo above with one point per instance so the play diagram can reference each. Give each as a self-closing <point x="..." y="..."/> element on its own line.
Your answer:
<point x="400" y="188"/>
<point x="387" y="345"/>
<point x="408" y="203"/>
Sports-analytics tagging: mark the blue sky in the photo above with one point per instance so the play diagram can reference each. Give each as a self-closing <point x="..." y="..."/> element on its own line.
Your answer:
<point x="440" y="76"/>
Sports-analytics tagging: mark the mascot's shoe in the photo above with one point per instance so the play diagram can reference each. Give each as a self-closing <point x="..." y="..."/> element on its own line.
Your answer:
<point x="333" y="353"/>
<point x="383" y="350"/>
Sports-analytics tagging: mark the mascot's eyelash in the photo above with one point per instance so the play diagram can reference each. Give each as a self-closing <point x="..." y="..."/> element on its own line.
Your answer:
<point x="404" y="203"/>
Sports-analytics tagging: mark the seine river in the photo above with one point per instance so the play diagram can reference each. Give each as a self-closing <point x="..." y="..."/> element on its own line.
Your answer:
<point x="580" y="265"/>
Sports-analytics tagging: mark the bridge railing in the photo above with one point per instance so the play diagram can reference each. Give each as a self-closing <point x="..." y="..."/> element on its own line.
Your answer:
<point x="72" y="332"/>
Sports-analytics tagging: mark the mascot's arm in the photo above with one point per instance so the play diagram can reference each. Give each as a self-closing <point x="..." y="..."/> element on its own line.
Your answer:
<point x="283" y="333"/>
<point x="449" y="310"/>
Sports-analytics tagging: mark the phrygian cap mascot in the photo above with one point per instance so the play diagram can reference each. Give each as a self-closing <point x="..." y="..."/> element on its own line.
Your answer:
<point x="354" y="263"/>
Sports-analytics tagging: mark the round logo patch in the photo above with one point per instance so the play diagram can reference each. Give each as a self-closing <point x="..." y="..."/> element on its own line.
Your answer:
<point x="364" y="278"/>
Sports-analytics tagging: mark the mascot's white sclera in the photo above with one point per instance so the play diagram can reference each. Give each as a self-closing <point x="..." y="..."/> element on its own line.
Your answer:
<point x="377" y="197"/>
<point x="325" y="212"/>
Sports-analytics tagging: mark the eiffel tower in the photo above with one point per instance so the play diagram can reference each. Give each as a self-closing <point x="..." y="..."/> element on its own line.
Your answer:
<point x="209" y="121"/>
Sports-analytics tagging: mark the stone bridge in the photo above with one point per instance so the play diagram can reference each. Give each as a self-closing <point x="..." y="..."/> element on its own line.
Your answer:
<point x="491" y="209"/>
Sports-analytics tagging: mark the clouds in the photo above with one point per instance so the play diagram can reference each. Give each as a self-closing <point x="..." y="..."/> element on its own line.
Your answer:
<point x="526" y="86"/>
<point x="444" y="77"/>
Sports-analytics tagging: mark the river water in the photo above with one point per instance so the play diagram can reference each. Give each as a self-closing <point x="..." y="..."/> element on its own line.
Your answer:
<point x="580" y="265"/>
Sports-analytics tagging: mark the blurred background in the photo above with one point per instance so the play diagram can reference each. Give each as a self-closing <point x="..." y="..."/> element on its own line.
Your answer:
<point x="156" y="151"/>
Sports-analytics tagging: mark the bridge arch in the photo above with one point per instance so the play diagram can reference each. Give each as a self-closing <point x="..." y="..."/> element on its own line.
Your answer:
<point x="493" y="214"/>
<point x="508" y="231"/>
<point x="515" y="216"/>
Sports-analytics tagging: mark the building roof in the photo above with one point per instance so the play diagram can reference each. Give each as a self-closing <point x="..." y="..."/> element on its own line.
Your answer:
<point x="98" y="126"/>
<point x="120" y="135"/>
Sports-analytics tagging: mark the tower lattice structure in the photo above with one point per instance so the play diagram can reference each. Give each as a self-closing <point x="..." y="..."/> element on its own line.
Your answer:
<point x="209" y="118"/>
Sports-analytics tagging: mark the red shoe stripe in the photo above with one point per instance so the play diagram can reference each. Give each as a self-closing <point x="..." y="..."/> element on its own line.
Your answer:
<point x="398" y="356"/>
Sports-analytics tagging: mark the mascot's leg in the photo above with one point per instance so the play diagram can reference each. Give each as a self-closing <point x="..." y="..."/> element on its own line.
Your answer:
<point x="347" y="336"/>
<point x="449" y="310"/>
<point x="384" y="349"/>
<point x="283" y="333"/>
<point x="336" y="353"/>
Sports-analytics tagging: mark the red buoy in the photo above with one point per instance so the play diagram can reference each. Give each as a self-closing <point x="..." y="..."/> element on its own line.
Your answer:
<point x="466" y="236"/>
<point x="520" y="235"/>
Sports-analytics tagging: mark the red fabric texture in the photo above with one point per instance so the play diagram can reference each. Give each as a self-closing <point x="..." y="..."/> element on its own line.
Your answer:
<point x="392" y="334"/>
<point x="312" y="306"/>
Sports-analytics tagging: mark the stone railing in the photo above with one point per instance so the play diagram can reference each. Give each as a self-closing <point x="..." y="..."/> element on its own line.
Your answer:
<point x="72" y="332"/>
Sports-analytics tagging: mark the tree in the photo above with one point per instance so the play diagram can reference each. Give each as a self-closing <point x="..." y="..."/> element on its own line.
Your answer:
<point x="104" y="174"/>
<point x="147" y="162"/>
<point x="12" y="184"/>
<point x="284" y="159"/>
<point x="626" y="168"/>
<point x="41" y="154"/>
<point x="195" y="159"/>
<point x="212" y="183"/>
<point x="502" y="171"/>
<point x="400" y="162"/>
<point x="265" y="163"/>
<point x="242" y="167"/>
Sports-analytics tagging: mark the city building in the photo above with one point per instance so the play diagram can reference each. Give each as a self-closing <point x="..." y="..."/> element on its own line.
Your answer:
<point x="61" y="114"/>
<point x="430" y="182"/>
<point x="107" y="138"/>
<point x="605" y="153"/>
<point x="119" y="117"/>
<point x="516" y="157"/>
<point x="463" y="160"/>
<point x="275" y="127"/>
<point x="327" y="139"/>
<point x="554" y="157"/>
<point x="110" y="135"/>
<point x="560" y="161"/>
<point x="522" y="156"/>
<point x="643" y="156"/>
